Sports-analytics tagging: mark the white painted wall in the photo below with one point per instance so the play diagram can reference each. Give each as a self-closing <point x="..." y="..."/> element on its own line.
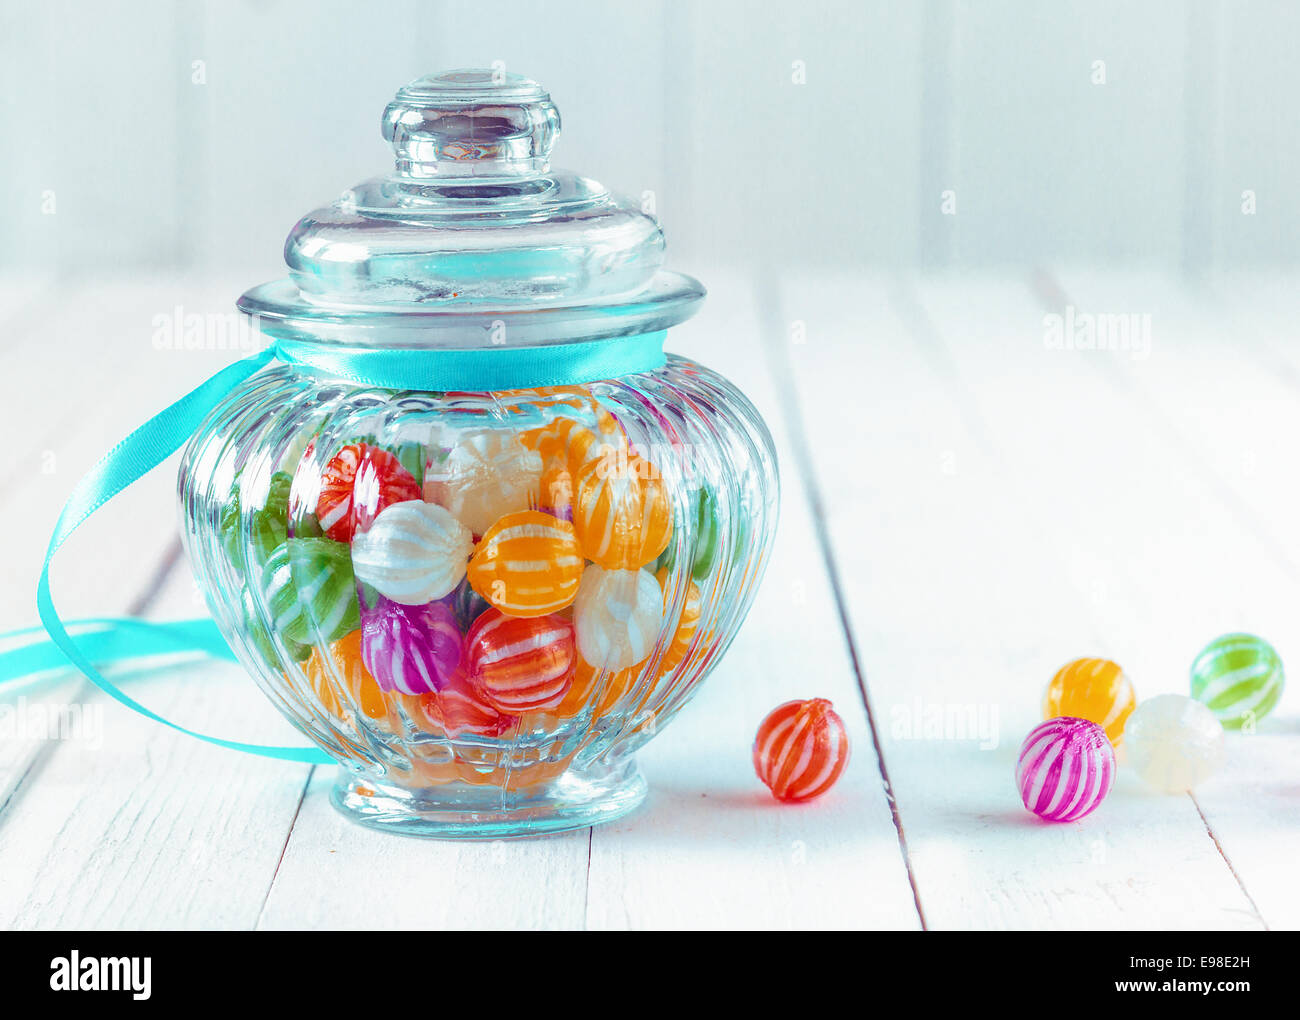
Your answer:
<point x="695" y="101"/>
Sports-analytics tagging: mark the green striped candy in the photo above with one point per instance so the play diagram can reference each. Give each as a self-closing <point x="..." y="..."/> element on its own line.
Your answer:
<point x="1239" y="677"/>
<point x="261" y="638"/>
<point x="311" y="591"/>
<point x="706" y="538"/>
<point x="267" y="527"/>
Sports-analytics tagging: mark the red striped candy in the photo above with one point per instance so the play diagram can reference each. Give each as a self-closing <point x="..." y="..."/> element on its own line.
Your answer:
<point x="519" y="664"/>
<point x="356" y="485"/>
<point x="1065" y="769"/>
<point x="458" y="708"/>
<point x="801" y="749"/>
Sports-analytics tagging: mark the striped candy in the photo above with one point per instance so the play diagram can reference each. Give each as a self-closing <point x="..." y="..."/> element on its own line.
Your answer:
<point x="267" y="526"/>
<point x="458" y="708"/>
<point x="1065" y="769"/>
<point x="612" y="687"/>
<point x="355" y="487"/>
<point x="556" y="491"/>
<point x="520" y="664"/>
<point x="414" y="552"/>
<point x="707" y="537"/>
<point x="261" y="639"/>
<point x="564" y="444"/>
<point x="487" y="474"/>
<point x="527" y="564"/>
<point x="686" y="625"/>
<point x="551" y="442"/>
<point x="311" y="591"/>
<point x="1093" y="689"/>
<point x="1239" y="678"/>
<point x="617" y="616"/>
<point x="562" y="440"/>
<point x="801" y="749"/>
<point x="617" y="683"/>
<point x="410" y="649"/>
<point x="620" y="507"/>
<point x="342" y="661"/>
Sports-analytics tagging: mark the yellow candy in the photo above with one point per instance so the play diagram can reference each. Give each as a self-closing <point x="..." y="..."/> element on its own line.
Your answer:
<point x="1092" y="689"/>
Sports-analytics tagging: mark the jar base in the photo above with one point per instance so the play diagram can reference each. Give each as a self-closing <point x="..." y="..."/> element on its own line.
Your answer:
<point x="574" y="800"/>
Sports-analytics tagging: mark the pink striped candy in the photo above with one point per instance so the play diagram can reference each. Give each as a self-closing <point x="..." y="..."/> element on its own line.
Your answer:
<point x="520" y="663"/>
<point x="411" y="649"/>
<point x="1066" y="768"/>
<point x="801" y="749"/>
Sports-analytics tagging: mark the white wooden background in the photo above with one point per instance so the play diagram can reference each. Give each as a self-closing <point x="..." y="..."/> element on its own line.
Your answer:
<point x="196" y="133"/>
<point x="963" y="510"/>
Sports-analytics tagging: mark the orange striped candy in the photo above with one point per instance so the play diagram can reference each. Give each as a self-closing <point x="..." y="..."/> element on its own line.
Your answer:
<point x="528" y="564"/>
<point x="801" y="749"/>
<point x="620" y="506"/>
<point x="520" y="665"/>
<point x="555" y="490"/>
<point x="577" y="398"/>
<point x="551" y="440"/>
<point x="1092" y="689"/>
<point x="686" y="626"/>
<point x="345" y="661"/>
<point x="583" y="690"/>
<point x="564" y="444"/>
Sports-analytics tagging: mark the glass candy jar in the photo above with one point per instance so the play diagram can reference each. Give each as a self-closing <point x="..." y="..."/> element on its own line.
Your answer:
<point x="480" y="587"/>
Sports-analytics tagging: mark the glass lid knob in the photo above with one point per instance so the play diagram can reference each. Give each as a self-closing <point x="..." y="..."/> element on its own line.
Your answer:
<point x="472" y="123"/>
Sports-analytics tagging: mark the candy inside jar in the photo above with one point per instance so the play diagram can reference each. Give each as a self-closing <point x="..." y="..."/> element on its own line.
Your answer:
<point x="478" y="537"/>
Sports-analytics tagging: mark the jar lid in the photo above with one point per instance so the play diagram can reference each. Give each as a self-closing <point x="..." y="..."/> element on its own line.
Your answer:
<point x="473" y="240"/>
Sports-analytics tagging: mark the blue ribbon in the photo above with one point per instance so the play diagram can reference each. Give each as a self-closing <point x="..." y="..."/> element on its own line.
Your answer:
<point x="482" y="369"/>
<point x="111" y="639"/>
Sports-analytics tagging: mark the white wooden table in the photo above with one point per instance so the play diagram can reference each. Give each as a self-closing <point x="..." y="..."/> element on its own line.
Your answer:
<point x="964" y="509"/>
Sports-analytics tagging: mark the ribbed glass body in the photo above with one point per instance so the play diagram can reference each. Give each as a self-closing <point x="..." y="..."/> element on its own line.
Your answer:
<point x="481" y="604"/>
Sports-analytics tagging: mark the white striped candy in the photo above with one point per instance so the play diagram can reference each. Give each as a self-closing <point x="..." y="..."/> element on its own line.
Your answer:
<point x="413" y="553"/>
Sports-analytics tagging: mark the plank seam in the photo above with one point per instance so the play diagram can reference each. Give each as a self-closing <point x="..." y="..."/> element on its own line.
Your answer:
<point x="1214" y="838"/>
<point x="284" y="848"/>
<point x="791" y="410"/>
<point x="586" y="888"/>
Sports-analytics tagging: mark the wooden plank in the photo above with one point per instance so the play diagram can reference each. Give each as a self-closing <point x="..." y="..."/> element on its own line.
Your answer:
<point x="42" y="462"/>
<point x="711" y="848"/>
<point x="1219" y="388"/>
<point x="949" y="453"/>
<point x="1213" y="385"/>
<point x="74" y="214"/>
<point x="131" y="825"/>
<point x="145" y="827"/>
<point x="1083" y="97"/>
<point x="337" y="874"/>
